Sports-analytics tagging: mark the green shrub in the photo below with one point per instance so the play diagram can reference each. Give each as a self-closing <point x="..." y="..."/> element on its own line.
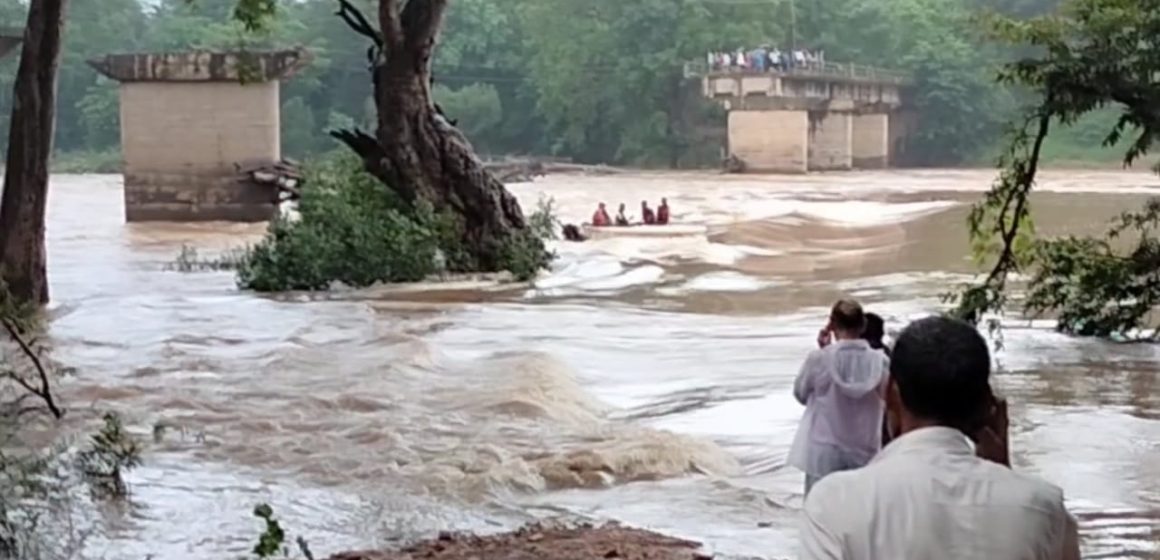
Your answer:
<point x="351" y="229"/>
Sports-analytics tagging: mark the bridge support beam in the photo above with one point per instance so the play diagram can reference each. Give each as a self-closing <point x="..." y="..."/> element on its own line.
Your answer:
<point x="831" y="141"/>
<point x="190" y="123"/>
<point x="871" y="141"/>
<point x="770" y="141"/>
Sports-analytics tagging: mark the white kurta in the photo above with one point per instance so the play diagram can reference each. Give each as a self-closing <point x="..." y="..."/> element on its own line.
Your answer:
<point x="926" y="496"/>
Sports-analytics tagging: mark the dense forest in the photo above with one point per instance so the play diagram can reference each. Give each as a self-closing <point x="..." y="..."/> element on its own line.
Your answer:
<point x="599" y="81"/>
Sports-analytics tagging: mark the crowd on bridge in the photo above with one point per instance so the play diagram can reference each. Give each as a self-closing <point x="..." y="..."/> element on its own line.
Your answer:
<point x="766" y="59"/>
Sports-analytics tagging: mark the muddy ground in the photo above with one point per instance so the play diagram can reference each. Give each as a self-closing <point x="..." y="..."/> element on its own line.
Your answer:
<point x="541" y="542"/>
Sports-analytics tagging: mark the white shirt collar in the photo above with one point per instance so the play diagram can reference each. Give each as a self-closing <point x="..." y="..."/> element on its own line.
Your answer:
<point x="934" y="438"/>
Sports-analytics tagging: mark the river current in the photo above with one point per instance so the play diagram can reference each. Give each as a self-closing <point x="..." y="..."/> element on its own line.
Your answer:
<point x="642" y="380"/>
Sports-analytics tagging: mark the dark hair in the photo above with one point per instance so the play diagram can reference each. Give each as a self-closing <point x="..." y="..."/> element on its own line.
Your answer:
<point x="875" y="330"/>
<point x="942" y="369"/>
<point x="847" y="315"/>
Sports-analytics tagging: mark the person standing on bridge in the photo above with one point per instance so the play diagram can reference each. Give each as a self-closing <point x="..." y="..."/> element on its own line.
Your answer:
<point x="775" y="59"/>
<point x="760" y="57"/>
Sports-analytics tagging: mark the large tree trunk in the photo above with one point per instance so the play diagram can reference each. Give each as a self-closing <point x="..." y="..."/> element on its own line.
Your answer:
<point x="416" y="151"/>
<point x="22" y="210"/>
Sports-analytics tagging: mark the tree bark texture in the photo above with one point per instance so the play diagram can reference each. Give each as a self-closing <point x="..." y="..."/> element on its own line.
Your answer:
<point x="416" y="151"/>
<point x="23" y="206"/>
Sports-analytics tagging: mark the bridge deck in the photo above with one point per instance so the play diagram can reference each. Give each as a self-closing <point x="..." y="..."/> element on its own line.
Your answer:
<point x="836" y="71"/>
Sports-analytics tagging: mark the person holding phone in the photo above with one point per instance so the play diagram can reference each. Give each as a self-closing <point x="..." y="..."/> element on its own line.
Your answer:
<point x="841" y="385"/>
<point x="944" y="487"/>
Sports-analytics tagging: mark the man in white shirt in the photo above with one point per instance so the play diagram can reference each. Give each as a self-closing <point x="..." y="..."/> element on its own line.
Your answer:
<point x="927" y="495"/>
<point x="842" y="386"/>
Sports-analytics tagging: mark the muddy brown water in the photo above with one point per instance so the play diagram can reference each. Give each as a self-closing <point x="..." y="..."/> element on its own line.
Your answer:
<point x="641" y="380"/>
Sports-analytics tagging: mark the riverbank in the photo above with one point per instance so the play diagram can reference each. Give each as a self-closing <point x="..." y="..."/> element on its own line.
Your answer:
<point x="538" y="541"/>
<point x="1060" y="156"/>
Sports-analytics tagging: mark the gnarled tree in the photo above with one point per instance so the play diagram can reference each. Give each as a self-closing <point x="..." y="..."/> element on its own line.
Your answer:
<point x="1094" y="54"/>
<point x="415" y="150"/>
<point x="23" y="207"/>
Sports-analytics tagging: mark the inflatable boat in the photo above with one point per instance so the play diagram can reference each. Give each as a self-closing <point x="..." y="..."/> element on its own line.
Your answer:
<point x="640" y="230"/>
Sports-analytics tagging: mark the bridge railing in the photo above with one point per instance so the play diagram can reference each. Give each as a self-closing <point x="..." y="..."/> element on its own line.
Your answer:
<point x="823" y="69"/>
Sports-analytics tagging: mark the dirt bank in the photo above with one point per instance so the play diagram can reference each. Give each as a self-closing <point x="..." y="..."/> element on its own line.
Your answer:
<point x="541" y="542"/>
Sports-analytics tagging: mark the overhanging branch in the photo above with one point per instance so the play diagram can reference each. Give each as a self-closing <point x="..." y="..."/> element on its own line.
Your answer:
<point x="44" y="390"/>
<point x="355" y="19"/>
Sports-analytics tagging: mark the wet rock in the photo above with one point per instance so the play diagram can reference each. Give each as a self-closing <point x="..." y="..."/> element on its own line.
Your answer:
<point x="545" y="542"/>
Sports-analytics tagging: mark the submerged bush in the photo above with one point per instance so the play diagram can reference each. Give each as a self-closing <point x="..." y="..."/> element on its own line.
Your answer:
<point x="353" y="230"/>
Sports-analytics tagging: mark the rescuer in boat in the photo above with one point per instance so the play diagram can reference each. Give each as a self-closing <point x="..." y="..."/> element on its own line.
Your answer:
<point x="621" y="219"/>
<point x="600" y="218"/>
<point x="663" y="212"/>
<point x="573" y="233"/>
<point x="646" y="214"/>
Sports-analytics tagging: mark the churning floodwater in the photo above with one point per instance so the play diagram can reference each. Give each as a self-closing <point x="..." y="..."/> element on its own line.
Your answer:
<point x="643" y="380"/>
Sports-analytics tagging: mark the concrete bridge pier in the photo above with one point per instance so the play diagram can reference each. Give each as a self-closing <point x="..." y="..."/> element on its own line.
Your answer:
<point x="770" y="141"/>
<point x="870" y="141"/>
<point x="827" y="118"/>
<point x="190" y="123"/>
<point x="831" y="141"/>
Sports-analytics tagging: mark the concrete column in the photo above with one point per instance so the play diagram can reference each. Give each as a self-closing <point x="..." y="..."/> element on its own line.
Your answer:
<point x="871" y="141"/>
<point x="830" y="141"/>
<point x="770" y="141"/>
<point x="190" y="123"/>
<point x="901" y="124"/>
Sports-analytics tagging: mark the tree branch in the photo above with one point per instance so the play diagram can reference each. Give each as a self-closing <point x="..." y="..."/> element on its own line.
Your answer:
<point x="374" y="160"/>
<point x="391" y="24"/>
<point x="355" y="19"/>
<point x="45" y="389"/>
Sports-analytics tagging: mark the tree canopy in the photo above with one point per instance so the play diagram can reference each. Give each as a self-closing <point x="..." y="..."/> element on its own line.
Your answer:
<point x="1095" y="55"/>
<point x="597" y="81"/>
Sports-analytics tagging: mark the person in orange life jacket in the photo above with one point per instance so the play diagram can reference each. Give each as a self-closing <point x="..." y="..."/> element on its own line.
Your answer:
<point x="663" y="212"/>
<point x="621" y="220"/>
<point x="600" y="218"/>
<point x="646" y="213"/>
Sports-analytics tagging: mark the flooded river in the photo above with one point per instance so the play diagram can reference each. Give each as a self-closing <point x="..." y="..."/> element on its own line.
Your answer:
<point x="647" y="381"/>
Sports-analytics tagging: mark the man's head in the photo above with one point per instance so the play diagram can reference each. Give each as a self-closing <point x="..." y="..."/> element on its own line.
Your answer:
<point x="622" y="207"/>
<point x="847" y="319"/>
<point x="664" y="202"/>
<point x="939" y="376"/>
<point x="601" y="206"/>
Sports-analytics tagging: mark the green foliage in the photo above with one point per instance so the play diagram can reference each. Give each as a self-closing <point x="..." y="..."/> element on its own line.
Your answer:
<point x="596" y="81"/>
<point x="353" y="230"/>
<point x="1099" y="54"/>
<point x="300" y="134"/>
<point x="271" y="539"/>
<point x="1098" y="290"/>
<point x="190" y="260"/>
<point x="476" y="107"/>
<point x="112" y="452"/>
